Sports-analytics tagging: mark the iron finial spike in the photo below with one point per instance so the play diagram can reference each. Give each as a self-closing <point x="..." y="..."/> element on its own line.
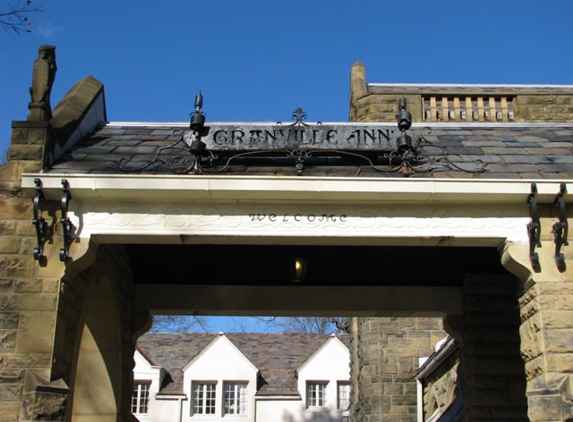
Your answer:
<point x="198" y="101"/>
<point x="402" y="104"/>
<point x="403" y="117"/>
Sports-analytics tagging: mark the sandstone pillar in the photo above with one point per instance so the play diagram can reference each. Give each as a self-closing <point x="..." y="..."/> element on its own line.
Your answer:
<point x="491" y="376"/>
<point x="546" y="331"/>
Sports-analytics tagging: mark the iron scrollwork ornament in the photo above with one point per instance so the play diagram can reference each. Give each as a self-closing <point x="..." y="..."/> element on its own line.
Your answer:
<point x="67" y="226"/>
<point x="560" y="229"/>
<point x="186" y="150"/>
<point x="38" y="221"/>
<point x="534" y="229"/>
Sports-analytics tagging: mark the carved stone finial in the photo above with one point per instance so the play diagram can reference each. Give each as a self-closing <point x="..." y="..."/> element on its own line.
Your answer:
<point x="43" y="77"/>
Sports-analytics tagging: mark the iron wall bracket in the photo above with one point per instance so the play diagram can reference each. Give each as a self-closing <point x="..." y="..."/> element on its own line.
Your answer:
<point x="560" y="229"/>
<point x="67" y="226"/>
<point x="534" y="229"/>
<point x="38" y="221"/>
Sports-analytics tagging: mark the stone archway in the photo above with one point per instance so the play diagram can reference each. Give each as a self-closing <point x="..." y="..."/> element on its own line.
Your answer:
<point x="97" y="377"/>
<point x="229" y="213"/>
<point x="356" y="214"/>
<point x="94" y="340"/>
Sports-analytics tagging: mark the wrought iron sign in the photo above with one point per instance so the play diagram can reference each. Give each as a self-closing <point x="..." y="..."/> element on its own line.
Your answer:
<point x="215" y="148"/>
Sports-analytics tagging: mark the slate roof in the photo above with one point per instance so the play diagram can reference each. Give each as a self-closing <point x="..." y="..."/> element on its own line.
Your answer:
<point x="452" y="150"/>
<point x="276" y="356"/>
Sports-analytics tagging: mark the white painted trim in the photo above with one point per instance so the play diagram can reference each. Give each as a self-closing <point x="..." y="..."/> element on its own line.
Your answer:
<point x="268" y="189"/>
<point x="292" y="397"/>
<point x="171" y="396"/>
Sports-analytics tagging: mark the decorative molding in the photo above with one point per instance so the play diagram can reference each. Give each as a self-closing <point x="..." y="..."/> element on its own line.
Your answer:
<point x="277" y="220"/>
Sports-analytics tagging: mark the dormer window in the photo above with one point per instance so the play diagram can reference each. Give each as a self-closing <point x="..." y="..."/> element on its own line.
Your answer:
<point x="316" y="393"/>
<point x="235" y="398"/>
<point x="343" y="395"/>
<point x="204" y="398"/>
<point x="140" y="397"/>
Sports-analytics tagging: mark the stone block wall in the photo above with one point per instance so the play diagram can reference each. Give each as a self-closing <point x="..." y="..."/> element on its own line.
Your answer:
<point x="544" y="107"/>
<point x="386" y="355"/>
<point x="28" y="292"/>
<point x="33" y="385"/>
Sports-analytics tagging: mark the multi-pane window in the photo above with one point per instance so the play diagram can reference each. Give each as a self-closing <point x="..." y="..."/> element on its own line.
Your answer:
<point x="204" y="398"/>
<point x="343" y="396"/>
<point x="140" y="398"/>
<point x="315" y="394"/>
<point x="235" y="398"/>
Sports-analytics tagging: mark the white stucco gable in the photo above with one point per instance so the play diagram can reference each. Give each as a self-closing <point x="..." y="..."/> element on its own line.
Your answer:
<point x="329" y="365"/>
<point x="319" y="365"/>
<point x="144" y="370"/>
<point x="220" y="363"/>
<point x="219" y="357"/>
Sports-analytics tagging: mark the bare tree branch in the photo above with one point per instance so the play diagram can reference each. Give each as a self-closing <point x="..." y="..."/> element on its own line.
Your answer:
<point x="321" y="325"/>
<point x="178" y="324"/>
<point x="16" y="19"/>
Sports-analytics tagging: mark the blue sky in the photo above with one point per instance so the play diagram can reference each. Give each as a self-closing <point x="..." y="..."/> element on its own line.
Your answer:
<point x="258" y="60"/>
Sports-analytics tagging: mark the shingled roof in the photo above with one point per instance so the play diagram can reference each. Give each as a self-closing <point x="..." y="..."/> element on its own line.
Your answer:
<point x="472" y="150"/>
<point x="276" y="356"/>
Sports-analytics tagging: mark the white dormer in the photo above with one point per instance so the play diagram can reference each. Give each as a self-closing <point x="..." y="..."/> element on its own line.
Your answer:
<point x="220" y="383"/>
<point x="147" y="380"/>
<point x="324" y="379"/>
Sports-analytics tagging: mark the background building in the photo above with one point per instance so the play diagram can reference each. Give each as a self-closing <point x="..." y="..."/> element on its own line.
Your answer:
<point x="248" y="377"/>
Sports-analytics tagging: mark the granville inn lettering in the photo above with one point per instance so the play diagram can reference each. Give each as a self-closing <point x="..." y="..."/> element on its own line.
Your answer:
<point x="253" y="137"/>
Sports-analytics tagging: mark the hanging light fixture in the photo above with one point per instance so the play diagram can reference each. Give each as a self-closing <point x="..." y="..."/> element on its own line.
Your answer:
<point x="298" y="269"/>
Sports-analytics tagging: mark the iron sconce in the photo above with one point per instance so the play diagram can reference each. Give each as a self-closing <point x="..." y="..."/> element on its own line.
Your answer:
<point x="298" y="269"/>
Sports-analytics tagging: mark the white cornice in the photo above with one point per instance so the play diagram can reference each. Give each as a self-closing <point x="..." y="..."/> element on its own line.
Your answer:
<point x="277" y="189"/>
